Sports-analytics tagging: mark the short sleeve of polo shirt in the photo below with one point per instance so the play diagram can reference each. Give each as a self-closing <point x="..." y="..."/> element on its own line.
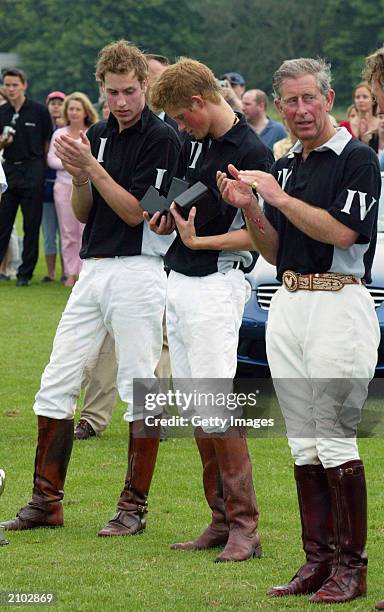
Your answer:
<point x="356" y="204"/>
<point x="160" y="156"/>
<point x="253" y="160"/>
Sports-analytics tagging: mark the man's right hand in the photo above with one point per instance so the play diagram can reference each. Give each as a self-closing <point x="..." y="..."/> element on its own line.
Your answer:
<point x="74" y="155"/>
<point x="234" y="191"/>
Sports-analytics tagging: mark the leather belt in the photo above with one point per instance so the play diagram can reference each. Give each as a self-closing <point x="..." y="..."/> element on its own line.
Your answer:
<point x="324" y="281"/>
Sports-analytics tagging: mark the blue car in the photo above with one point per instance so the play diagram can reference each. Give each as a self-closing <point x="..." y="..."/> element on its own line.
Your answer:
<point x="251" y="353"/>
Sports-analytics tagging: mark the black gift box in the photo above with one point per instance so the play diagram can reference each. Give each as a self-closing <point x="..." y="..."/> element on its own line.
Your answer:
<point x="152" y="201"/>
<point x="207" y="205"/>
<point x="178" y="186"/>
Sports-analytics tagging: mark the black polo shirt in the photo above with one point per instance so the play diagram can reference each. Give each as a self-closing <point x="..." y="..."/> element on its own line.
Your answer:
<point x="199" y="161"/>
<point x="343" y="177"/>
<point x="33" y="127"/>
<point x="142" y="155"/>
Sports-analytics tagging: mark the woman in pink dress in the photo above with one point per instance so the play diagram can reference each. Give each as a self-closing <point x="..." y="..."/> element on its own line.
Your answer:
<point x="78" y="114"/>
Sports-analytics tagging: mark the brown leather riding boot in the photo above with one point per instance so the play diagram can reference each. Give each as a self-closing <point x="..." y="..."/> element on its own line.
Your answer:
<point x="349" y="506"/>
<point x="132" y="505"/>
<point x="316" y="532"/>
<point x="54" y="446"/>
<point x="239" y="497"/>
<point x="216" y="534"/>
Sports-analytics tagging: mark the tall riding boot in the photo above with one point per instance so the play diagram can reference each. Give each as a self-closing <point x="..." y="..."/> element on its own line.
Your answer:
<point x="216" y="534"/>
<point x="316" y="532"/>
<point x="132" y="505"/>
<point x="54" y="446"/>
<point x="349" y="508"/>
<point x="239" y="497"/>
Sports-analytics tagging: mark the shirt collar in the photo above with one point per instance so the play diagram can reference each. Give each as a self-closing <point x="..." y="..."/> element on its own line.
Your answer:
<point x="336" y="144"/>
<point x="236" y="133"/>
<point x="268" y="126"/>
<point x="8" y="106"/>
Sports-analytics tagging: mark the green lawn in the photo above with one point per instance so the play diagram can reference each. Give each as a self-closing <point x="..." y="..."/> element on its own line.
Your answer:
<point x="141" y="573"/>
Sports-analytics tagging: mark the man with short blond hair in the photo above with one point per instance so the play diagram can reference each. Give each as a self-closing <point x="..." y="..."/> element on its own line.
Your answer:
<point x="206" y="292"/>
<point x="121" y="289"/>
<point x="100" y="391"/>
<point x="174" y="90"/>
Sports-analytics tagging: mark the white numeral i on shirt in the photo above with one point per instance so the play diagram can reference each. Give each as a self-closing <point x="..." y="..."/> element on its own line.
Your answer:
<point x="103" y="142"/>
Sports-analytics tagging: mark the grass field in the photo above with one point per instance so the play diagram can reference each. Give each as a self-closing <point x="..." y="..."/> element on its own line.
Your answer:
<point x="142" y="573"/>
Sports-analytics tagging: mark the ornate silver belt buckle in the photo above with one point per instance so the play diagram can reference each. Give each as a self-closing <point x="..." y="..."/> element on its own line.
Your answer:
<point x="291" y="280"/>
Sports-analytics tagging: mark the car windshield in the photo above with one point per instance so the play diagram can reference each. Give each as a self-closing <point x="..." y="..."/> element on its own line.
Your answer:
<point x="380" y="220"/>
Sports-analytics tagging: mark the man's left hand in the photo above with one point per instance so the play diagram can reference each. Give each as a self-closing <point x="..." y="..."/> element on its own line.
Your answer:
<point x="186" y="228"/>
<point x="160" y="224"/>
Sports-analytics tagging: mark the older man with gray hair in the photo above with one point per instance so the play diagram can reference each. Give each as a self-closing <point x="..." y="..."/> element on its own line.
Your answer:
<point x="318" y="226"/>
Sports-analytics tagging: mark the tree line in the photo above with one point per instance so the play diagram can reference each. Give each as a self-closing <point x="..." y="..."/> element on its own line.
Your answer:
<point x="58" y="40"/>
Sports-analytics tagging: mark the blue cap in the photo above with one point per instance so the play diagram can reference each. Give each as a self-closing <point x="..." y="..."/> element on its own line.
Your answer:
<point x="235" y="78"/>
